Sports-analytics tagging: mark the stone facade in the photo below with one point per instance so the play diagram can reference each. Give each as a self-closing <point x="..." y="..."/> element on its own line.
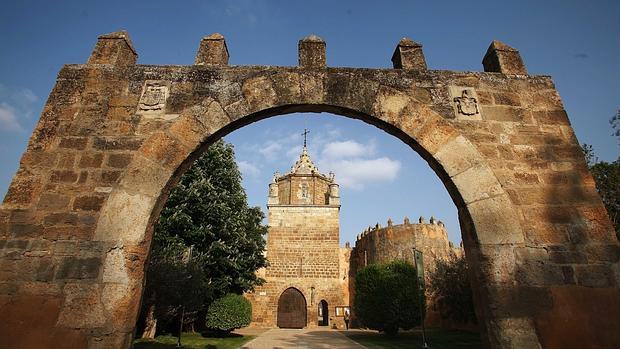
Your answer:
<point x="302" y="245"/>
<point x="115" y="136"/>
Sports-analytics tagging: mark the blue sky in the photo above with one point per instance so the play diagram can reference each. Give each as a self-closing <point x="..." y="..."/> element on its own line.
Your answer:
<point x="576" y="42"/>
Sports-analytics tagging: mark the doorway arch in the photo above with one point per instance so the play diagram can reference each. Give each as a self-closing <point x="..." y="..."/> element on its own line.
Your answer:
<point x="114" y="137"/>
<point x="292" y="311"/>
<point x="323" y="311"/>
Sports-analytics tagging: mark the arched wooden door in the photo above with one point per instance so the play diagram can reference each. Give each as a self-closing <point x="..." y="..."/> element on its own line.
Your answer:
<point x="292" y="311"/>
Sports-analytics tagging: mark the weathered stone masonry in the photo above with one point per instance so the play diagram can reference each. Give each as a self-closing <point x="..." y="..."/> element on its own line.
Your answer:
<point x="113" y="137"/>
<point x="302" y="246"/>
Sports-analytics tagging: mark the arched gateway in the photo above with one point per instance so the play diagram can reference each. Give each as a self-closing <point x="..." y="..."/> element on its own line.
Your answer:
<point x="292" y="309"/>
<point x="114" y="137"/>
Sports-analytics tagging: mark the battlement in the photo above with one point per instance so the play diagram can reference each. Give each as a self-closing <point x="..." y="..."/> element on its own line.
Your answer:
<point x="397" y="241"/>
<point x="377" y="229"/>
<point x="116" y="49"/>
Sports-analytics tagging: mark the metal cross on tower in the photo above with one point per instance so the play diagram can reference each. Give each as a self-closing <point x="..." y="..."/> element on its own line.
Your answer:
<point x="305" y="136"/>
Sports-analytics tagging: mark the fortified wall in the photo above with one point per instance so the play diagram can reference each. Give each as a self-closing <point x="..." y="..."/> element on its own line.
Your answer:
<point x="396" y="242"/>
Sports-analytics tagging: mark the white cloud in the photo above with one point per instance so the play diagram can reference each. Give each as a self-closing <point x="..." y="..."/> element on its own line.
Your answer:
<point x="356" y="173"/>
<point x="15" y="104"/>
<point x="270" y="150"/>
<point x="347" y="149"/>
<point x="247" y="169"/>
<point x="8" y="119"/>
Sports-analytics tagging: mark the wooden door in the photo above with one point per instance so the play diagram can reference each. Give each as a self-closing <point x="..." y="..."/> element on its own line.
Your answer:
<point x="292" y="309"/>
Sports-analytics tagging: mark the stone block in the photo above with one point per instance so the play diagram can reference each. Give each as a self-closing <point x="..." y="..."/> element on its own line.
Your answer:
<point x="477" y="183"/>
<point x="125" y="218"/>
<point x="65" y="218"/>
<point x="114" y="49"/>
<point x="408" y="55"/>
<point x="65" y="176"/>
<point x="117" y="143"/>
<point x="506" y="114"/>
<point x="82" y="307"/>
<point x="88" y="203"/>
<point x="501" y="58"/>
<point x="165" y="150"/>
<point x="78" y="268"/>
<point x="118" y="160"/>
<point x="212" y="51"/>
<point x="25" y="230"/>
<point x="90" y="160"/>
<point x="595" y="275"/>
<point x="496" y="221"/>
<point x="77" y="143"/>
<point x="312" y="86"/>
<point x="312" y="52"/>
<point x="259" y="93"/>
<point x="287" y="87"/>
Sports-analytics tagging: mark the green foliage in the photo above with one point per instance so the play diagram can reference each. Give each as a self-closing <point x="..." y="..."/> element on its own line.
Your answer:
<point x="607" y="178"/>
<point x="386" y="297"/>
<point x="451" y="289"/>
<point x="208" y="211"/>
<point x="229" y="312"/>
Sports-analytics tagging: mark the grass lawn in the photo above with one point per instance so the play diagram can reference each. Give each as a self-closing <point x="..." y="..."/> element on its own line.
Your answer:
<point x="435" y="338"/>
<point x="194" y="341"/>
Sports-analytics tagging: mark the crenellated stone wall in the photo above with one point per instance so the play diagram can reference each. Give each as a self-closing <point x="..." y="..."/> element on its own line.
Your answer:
<point x="114" y="136"/>
<point x="397" y="242"/>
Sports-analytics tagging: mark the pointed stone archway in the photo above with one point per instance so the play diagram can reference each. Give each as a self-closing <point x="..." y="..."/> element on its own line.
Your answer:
<point x="292" y="311"/>
<point x="114" y="137"/>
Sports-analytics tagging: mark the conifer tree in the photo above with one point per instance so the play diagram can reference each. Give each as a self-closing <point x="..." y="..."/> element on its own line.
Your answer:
<point x="206" y="213"/>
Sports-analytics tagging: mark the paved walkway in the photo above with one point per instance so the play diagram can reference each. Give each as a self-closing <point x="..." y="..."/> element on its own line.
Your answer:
<point x="279" y="338"/>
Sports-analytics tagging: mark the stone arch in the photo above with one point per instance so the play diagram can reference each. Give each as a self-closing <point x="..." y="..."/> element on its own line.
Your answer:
<point x="292" y="309"/>
<point x="114" y="137"/>
<point x="166" y="154"/>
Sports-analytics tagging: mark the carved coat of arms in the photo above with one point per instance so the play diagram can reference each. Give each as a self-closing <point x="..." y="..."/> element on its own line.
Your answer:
<point x="153" y="98"/>
<point x="466" y="104"/>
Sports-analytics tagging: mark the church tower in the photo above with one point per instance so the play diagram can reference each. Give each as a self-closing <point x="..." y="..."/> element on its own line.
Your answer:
<point x="304" y="281"/>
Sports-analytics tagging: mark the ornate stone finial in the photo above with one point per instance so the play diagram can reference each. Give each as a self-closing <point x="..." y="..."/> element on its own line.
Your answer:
<point x="115" y="49"/>
<point x="406" y="220"/>
<point x="347" y="244"/>
<point x="212" y="51"/>
<point x="276" y="175"/>
<point x="332" y="176"/>
<point x="312" y="52"/>
<point x="304" y="165"/>
<point x="440" y="223"/>
<point x="432" y="220"/>
<point x="408" y="55"/>
<point x="501" y="58"/>
<point x="358" y="236"/>
<point x="389" y="222"/>
<point x="421" y="220"/>
<point x="377" y="226"/>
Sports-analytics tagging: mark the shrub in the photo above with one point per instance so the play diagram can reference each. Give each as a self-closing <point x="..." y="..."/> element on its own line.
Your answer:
<point x="229" y="312"/>
<point x="451" y="289"/>
<point x="386" y="297"/>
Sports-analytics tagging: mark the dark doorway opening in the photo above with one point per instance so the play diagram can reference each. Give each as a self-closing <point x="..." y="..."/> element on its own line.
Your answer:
<point x="323" y="313"/>
<point x="292" y="311"/>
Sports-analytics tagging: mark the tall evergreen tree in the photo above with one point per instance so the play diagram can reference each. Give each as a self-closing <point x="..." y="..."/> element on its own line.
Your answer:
<point x="207" y="213"/>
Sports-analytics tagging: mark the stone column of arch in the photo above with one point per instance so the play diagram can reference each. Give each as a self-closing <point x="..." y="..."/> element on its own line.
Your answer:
<point x="114" y="137"/>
